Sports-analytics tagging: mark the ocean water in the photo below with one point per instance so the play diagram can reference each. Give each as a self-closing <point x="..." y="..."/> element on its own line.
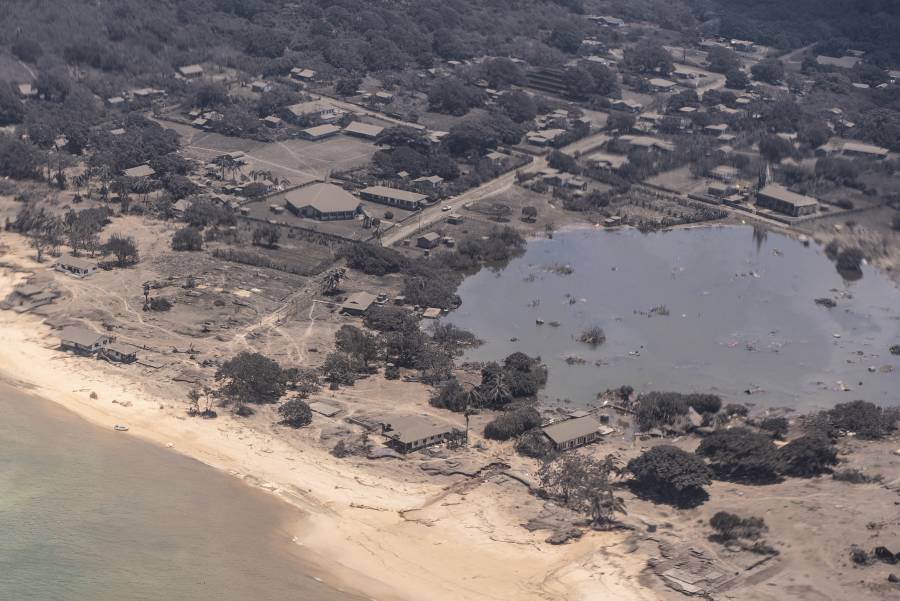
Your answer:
<point x="88" y="514"/>
<point x="741" y="317"/>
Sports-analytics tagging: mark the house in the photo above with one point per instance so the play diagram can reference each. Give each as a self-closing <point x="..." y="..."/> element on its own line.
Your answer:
<point x="315" y="110"/>
<point x="83" y="341"/>
<point x="430" y="184"/>
<point x="29" y="296"/>
<point x="76" y="266"/>
<point x="272" y="122"/>
<point x="605" y="21"/>
<point x="657" y="84"/>
<point x="867" y="151"/>
<point x="573" y="433"/>
<point x="413" y="432"/>
<point x="647" y="143"/>
<point x="606" y="161"/>
<point x="357" y="303"/>
<point x="324" y="409"/>
<point x="26" y="90"/>
<point x="363" y="130"/>
<point x="716" y="129"/>
<point x="432" y="313"/>
<point x="497" y="159"/>
<point x="301" y="74"/>
<point x="724" y="173"/>
<point x="411" y="201"/>
<point x="191" y="71"/>
<point x="114" y="101"/>
<point x="383" y="97"/>
<point x="842" y="62"/>
<point x="722" y="190"/>
<point x="780" y="199"/>
<point x="546" y="137"/>
<point x="144" y="170"/>
<point x="626" y="106"/>
<point x="429" y="240"/>
<point x="320" y="132"/>
<point x="325" y="202"/>
<point x="260" y="86"/>
<point x="120" y="353"/>
<point x="119" y="131"/>
<point x="743" y="45"/>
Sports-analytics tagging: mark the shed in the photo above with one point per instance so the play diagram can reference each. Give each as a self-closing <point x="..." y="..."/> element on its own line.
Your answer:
<point x="429" y="240"/>
<point x="120" y="353"/>
<point x="191" y="71"/>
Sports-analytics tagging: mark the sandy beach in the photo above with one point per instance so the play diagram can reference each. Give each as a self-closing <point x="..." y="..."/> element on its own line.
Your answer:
<point x="380" y="532"/>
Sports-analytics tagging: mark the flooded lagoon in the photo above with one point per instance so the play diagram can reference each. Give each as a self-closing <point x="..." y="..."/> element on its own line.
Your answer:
<point x="712" y="309"/>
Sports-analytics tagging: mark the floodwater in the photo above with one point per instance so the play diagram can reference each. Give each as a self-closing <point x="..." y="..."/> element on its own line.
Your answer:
<point x="90" y="514"/>
<point x="735" y="316"/>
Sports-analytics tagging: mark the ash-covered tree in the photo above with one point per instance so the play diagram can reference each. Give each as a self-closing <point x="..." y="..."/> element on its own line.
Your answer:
<point x="807" y="456"/>
<point x="249" y="378"/>
<point x="124" y="249"/>
<point x="583" y="484"/>
<point x="512" y="423"/>
<point x="741" y="455"/>
<point x="450" y="395"/>
<point x="769" y="71"/>
<point x="339" y="368"/>
<point x="266" y="235"/>
<point x="518" y="106"/>
<point x="187" y="239"/>
<point x="357" y="343"/>
<point x="295" y="413"/>
<point x="671" y="475"/>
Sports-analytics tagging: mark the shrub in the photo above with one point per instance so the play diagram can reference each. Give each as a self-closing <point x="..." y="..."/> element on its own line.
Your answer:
<point x="740" y="455"/>
<point x="159" y="303"/>
<point x="674" y="476"/>
<point x="594" y="336"/>
<point x="776" y="427"/>
<point x="187" y="238"/>
<point x="374" y="260"/>
<point x="534" y="444"/>
<point x="266" y="235"/>
<point x="704" y="403"/>
<point x="391" y="372"/>
<point x="339" y="369"/>
<point x="659" y="409"/>
<point x="295" y="413"/>
<point x="848" y="260"/>
<point x="451" y="395"/>
<point x="512" y="423"/>
<point x="731" y="527"/>
<point x="732" y="409"/>
<point x="807" y="456"/>
<point x="867" y="420"/>
<point x="389" y="319"/>
<point x="854" y="476"/>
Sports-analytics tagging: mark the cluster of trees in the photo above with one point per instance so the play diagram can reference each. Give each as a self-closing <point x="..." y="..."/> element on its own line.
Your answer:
<point x="412" y="151"/>
<point x="517" y="379"/>
<point x="662" y="409"/>
<point x="584" y="484"/>
<point x="47" y="231"/>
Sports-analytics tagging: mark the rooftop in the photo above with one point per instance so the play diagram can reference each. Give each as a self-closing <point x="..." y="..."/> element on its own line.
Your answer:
<point x="410" y="428"/>
<point x="325" y="198"/>
<point x="140" y="171"/>
<point x="363" y="129"/>
<point x="394" y="193"/>
<point x="783" y="194"/>
<point x="81" y="336"/>
<point x="572" y="429"/>
<point x="322" y="130"/>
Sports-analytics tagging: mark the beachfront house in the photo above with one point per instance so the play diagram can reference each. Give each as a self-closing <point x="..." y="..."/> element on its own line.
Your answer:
<point x="83" y="341"/>
<point x="573" y="433"/>
<point x="120" y="353"/>
<point x="780" y="199"/>
<point x="413" y="432"/>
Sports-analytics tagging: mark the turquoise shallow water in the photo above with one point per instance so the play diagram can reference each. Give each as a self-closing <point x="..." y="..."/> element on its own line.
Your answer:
<point x="740" y="317"/>
<point x="88" y="514"/>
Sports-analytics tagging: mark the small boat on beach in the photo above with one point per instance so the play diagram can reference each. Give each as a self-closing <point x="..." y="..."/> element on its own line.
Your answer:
<point x="120" y="428"/>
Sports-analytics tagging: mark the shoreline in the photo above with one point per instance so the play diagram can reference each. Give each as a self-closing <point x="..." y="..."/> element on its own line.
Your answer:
<point x="355" y="526"/>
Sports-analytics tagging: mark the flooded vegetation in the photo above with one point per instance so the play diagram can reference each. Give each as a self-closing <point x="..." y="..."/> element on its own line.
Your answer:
<point x="718" y="309"/>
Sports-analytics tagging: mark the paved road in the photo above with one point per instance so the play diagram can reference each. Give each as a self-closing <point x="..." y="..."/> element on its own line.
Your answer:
<point x="432" y="215"/>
